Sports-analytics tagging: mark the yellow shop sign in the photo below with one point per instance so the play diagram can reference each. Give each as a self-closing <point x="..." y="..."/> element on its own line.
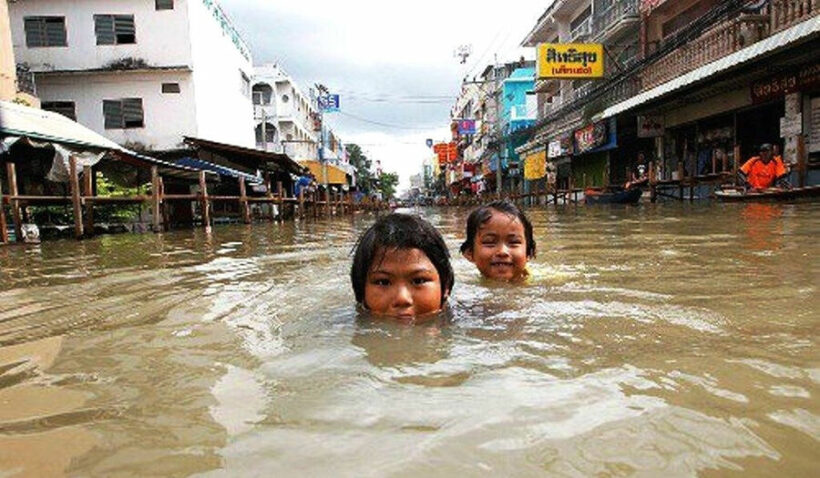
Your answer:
<point x="570" y="60"/>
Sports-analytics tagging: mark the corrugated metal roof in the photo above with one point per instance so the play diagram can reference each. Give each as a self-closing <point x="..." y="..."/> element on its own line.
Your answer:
<point x="798" y="32"/>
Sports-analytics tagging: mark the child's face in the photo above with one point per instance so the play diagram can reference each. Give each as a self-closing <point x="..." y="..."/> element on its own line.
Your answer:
<point x="402" y="283"/>
<point x="500" y="248"/>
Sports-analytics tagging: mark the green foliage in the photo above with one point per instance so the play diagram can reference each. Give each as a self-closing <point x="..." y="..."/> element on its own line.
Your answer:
<point x="387" y="184"/>
<point x="364" y="177"/>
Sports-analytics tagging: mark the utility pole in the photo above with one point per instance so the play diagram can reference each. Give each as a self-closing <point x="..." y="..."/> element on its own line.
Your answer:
<point x="322" y="89"/>
<point x="497" y="126"/>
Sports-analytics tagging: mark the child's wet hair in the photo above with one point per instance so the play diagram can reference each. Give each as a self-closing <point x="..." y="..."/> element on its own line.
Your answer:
<point x="400" y="231"/>
<point x="485" y="212"/>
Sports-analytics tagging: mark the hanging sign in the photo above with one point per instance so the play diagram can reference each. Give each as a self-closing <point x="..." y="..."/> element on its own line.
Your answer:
<point x="590" y="137"/>
<point x="535" y="165"/>
<point x="466" y="126"/>
<point x="570" y="60"/>
<point x="329" y="103"/>
<point x="650" y="126"/>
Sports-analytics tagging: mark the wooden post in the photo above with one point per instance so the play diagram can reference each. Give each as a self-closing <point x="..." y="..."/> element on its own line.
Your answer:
<point x="243" y="201"/>
<point x="802" y="166"/>
<point x="680" y="179"/>
<point x="653" y="182"/>
<point x="164" y="207"/>
<point x="156" y="197"/>
<point x="269" y="189"/>
<point x="74" y="183"/>
<point x="280" y="193"/>
<point x="16" y="217"/>
<point x="327" y="201"/>
<point x="203" y="198"/>
<point x="301" y="203"/>
<point x="735" y="164"/>
<point x="4" y="233"/>
<point x="88" y="191"/>
<point x="315" y="204"/>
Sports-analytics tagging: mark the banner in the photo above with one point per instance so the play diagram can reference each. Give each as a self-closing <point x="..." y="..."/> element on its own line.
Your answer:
<point x="570" y="60"/>
<point x="590" y="137"/>
<point x="535" y="165"/>
<point x="466" y="126"/>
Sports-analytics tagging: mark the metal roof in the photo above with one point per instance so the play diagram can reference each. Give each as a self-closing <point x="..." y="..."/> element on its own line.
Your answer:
<point x="801" y="31"/>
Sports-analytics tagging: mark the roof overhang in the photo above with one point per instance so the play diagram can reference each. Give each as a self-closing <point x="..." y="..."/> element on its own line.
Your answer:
<point x="242" y="158"/>
<point x="800" y="33"/>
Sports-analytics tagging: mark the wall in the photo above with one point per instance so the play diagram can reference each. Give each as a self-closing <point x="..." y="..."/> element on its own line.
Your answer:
<point x="7" y="66"/>
<point x="720" y="104"/>
<point x="161" y="36"/>
<point x="167" y="116"/>
<point x="223" y="112"/>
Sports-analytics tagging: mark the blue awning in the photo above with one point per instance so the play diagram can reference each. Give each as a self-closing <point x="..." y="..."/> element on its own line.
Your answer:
<point x="220" y="170"/>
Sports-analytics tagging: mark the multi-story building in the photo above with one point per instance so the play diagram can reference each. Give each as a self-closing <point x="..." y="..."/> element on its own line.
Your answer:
<point x="692" y="85"/>
<point x="15" y="84"/>
<point x="142" y="73"/>
<point x="286" y="119"/>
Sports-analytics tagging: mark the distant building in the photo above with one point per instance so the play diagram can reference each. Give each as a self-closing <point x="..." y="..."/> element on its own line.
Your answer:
<point x="15" y="85"/>
<point x="141" y="73"/>
<point x="286" y="119"/>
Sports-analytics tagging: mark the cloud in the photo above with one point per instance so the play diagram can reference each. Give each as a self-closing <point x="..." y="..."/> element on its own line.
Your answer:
<point x="391" y="62"/>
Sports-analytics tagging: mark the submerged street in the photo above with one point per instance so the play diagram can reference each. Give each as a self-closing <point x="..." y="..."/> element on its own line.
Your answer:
<point x="670" y="339"/>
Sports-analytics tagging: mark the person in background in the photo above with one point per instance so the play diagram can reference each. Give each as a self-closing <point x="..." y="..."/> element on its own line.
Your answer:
<point x="764" y="171"/>
<point x="639" y="174"/>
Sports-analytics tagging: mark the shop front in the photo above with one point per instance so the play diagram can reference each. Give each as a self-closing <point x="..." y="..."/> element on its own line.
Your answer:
<point x="590" y="161"/>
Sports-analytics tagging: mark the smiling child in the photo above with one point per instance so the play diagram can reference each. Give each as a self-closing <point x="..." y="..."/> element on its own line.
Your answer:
<point x="401" y="269"/>
<point x="499" y="241"/>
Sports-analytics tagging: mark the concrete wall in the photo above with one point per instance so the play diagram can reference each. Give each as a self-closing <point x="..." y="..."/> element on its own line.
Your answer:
<point x="7" y="66"/>
<point x="223" y="111"/>
<point x="161" y="36"/>
<point x="167" y="116"/>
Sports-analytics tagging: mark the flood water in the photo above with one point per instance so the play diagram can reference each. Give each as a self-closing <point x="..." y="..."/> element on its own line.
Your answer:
<point x="662" y="340"/>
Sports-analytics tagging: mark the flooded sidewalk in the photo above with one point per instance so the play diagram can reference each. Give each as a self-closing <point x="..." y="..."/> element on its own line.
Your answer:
<point x="665" y="340"/>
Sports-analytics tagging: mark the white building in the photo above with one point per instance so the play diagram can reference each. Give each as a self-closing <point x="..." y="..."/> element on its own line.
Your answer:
<point x="141" y="72"/>
<point x="286" y="119"/>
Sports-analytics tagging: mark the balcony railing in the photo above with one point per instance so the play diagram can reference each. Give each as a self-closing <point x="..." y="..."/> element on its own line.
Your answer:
<point x="786" y="13"/>
<point x="722" y="40"/>
<point x="610" y="19"/>
<point x="582" y="31"/>
<point x="25" y="81"/>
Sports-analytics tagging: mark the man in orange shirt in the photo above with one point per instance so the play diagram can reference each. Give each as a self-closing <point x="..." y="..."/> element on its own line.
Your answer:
<point x="764" y="171"/>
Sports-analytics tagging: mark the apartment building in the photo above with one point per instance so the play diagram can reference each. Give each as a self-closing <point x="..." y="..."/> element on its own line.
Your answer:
<point x="143" y="73"/>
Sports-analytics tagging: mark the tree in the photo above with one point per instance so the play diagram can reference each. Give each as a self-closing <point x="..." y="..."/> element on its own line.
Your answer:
<point x="364" y="177"/>
<point x="387" y="184"/>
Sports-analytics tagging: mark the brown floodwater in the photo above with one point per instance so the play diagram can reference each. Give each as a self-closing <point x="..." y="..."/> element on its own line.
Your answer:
<point x="662" y="340"/>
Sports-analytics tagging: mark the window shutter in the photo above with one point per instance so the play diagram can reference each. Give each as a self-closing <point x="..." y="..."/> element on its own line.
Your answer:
<point x="164" y="4"/>
<point x="112" y="111"/>
<point x="55" y="31"/>
<point x="34" y="32"/>
<point x="104" y="29"/>
<point x="124" y="29"/>
<point x="132" y="113"/>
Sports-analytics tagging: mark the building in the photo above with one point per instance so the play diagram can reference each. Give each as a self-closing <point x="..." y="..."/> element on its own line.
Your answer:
<point x="142" y="73"/>
<point x="694" y="86"/>
<point x="17" y="86"/>
<point x="286" y="119"/>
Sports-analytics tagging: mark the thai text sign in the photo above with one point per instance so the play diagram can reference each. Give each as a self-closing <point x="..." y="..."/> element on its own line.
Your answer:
<point x="570" y="60"/>
<point x="650" y="126"/>
<point x="558" y="147"/>
<point x="781" y="85"/>
<point x="447" y="152"/>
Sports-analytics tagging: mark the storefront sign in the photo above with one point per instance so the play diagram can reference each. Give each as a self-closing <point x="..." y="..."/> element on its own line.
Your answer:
<point x="447" y="152"/>
<point x="781" y="85"/>
<point x="590" y="137"/>
<point x="561" y="146"/>
<point x="535" y="165"/>
<point x="466" y="126"/>
<point x="650" y="126"/>
<point x="570" y="60"/>
<point x="790" y="126"/>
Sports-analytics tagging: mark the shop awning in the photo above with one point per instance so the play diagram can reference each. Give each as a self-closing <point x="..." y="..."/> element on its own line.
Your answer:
<point x="334" y="174"/>
<point x="802" y="31"/>
<point x="220" y="170"/>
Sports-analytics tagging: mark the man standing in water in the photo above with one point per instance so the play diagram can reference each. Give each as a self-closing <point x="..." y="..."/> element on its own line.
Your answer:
<point x="763" y="171"/>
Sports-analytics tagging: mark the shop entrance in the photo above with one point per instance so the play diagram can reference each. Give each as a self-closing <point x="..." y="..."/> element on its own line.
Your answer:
<point x="759" y="125"/>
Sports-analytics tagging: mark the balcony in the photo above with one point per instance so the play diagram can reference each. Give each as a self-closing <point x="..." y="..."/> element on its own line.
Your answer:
<point x="786" y="13"/>
<point x="25" y="81"/>
<point x="616" y="19"/>
<point x="582" y="31"/>
<point x="720" y="41"/>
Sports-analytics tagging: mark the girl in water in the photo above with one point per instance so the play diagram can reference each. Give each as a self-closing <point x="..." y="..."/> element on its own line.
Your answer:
<point x="401" y="269"/>
<point x="499" y="241"/>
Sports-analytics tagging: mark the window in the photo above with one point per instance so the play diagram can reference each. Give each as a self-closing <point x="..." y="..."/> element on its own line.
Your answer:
<point x="268" y="132"/>
<point x="164" y="4"/>
<point x="45" y="31"/>
<point x="115" y="29"/>
<point x="123" y="113"/>
<point x="580" y="19"/>
<point x="285" y="98"/>
<point x="170" y="88"/>
<point x="684" y="19"/>
<point x="245" y="84"/>
<point x="65" y="108"/>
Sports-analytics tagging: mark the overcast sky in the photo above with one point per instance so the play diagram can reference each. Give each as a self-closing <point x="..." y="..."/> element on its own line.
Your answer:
<point x="391" y="62"/>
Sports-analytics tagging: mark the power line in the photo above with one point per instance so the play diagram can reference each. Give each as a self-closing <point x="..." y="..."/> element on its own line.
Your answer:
<point x="385" y="125"/>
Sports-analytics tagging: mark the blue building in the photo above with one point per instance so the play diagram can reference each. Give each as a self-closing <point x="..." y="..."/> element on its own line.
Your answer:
<point x="518" y="111"/>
